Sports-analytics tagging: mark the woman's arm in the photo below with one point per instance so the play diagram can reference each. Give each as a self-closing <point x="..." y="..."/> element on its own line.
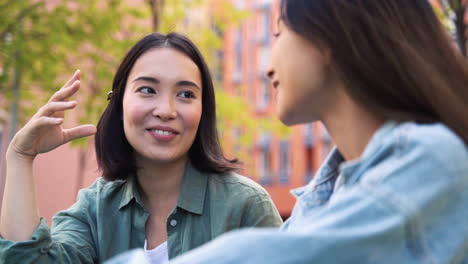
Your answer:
<point x="261" y="213"/>
<point x="41" y="134"/>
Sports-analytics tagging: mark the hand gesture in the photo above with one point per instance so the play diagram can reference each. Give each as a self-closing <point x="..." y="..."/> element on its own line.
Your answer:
<point x="44" y="131"/>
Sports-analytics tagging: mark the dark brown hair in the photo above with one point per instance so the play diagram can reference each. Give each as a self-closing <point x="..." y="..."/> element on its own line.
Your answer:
<point x="114" y="153"/>
<point x="393" y="55"/>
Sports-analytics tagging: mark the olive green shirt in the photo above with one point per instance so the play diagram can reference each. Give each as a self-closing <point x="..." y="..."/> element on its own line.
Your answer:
<point x="109" y="218"/>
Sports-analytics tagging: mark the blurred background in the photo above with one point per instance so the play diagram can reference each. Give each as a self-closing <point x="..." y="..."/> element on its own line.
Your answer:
<point x="43" y="42"/>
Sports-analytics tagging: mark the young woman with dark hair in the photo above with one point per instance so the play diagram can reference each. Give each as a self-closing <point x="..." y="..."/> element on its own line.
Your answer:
<point x="166" y="185"/>
<point x="386" y="81"/>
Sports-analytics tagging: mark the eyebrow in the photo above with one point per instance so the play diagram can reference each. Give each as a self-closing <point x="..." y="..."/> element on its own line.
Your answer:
<point x="148" y="79"/>
<point x="156" y="81"/>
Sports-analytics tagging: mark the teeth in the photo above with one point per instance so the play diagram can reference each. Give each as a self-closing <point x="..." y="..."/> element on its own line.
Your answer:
<point x="162" y="132"/>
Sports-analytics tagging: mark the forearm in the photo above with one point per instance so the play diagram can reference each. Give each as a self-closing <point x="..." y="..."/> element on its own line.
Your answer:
<point x="20" y="216"/>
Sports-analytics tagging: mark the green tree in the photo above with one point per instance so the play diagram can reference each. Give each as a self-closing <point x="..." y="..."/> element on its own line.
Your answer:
<point x="453" y="15"/>
<point x="41" y="45"/>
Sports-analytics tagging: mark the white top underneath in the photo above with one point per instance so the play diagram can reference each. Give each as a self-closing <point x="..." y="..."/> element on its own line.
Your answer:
<point x="158" y="255"/>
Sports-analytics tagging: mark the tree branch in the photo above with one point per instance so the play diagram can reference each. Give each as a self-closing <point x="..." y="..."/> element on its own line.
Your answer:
<point x="22" y="14"/>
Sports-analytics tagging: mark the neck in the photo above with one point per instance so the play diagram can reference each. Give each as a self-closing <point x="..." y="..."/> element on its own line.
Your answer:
<point x="351" y="126"/>
<point x="161" y="182"/>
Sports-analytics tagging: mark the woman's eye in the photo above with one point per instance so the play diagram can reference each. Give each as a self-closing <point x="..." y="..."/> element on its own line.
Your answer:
<point x="187" y="94"/>
<point x="276" y="34"/>
<point x="147" y="90"/>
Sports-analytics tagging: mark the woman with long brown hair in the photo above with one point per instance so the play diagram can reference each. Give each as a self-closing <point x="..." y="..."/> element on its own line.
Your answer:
<point x="388" y="84"/>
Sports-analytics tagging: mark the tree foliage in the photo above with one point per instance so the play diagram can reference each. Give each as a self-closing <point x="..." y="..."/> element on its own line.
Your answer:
<point x="453" y="14"/>
<point x="45" y="43"/>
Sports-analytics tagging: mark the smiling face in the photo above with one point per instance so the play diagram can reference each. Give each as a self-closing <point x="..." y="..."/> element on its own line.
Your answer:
<point x="162" y="105"/>
<point x="300" y="73"/>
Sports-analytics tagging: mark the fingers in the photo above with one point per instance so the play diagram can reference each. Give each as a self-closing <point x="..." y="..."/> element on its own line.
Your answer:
<point x="76" y="76"/>
<point x="65" y="92"/>
<point x="78" y="132"/>
<point x="48" y="121"/>
<point x="52" y="107"/>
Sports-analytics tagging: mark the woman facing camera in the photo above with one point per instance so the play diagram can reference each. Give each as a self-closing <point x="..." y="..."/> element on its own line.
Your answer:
<point x="166" y="185"/>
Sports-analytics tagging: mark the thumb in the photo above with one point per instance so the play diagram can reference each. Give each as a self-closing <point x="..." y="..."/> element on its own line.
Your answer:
<point x="78" y="132"/>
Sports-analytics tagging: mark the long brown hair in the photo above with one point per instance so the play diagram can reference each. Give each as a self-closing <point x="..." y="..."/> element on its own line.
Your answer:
<point x="393" y="55"/>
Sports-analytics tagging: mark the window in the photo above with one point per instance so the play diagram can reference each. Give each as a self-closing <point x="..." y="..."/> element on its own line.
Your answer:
<point x="236" y="138"/>
<point x="284" y="162"/>
<point x="309" y="174"/>
<point x="264" y="163"/>
<point x="309" y="152"/>
<point x="217" y="68"/>
<point x="264" y="25"/>
<point x="237" y="75"/>
<point x="327" y="142"/>
<point x="264" y="54"/>
<point x="264" y="94"/>
<point x="309" y="135"/>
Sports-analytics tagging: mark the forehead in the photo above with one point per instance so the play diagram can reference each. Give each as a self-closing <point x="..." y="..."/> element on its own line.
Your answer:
<point x="165" y="63"/>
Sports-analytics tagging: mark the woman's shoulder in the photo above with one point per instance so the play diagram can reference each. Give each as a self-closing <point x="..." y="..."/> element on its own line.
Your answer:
<point x="237" y="184"/>
<point x="102" y="189"/>
<point x="424" y="149"/>
<point x="436" y="141"/>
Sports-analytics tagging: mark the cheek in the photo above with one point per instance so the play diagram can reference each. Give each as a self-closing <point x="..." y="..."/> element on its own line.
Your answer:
<point x="192" y="118"/>
<point x="133" y="114"/>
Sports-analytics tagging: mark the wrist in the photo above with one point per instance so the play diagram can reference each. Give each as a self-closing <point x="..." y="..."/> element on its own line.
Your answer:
<point x="13" y="154"/>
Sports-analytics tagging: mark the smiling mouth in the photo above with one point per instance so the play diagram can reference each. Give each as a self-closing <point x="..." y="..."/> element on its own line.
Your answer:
<point x="162" y="132"/>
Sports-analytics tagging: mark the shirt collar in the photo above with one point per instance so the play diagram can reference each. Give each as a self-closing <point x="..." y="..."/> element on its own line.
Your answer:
<point x="335" y="163"/>
<point x="328" y="171"/>
<point x="375" y="145"/>
<point x="192" y="193"/>
<point x="130" y="192"/>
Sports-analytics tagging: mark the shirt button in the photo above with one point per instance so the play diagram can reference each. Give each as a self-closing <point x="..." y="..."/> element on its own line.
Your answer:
<point x="173" y="222"/>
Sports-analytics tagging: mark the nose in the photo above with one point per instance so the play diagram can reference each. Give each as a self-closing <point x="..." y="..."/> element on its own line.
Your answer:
<point x="165" y="109"/>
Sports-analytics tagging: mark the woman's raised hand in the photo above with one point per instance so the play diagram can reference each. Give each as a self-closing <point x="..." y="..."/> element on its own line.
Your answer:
<point x="44" y="131"/>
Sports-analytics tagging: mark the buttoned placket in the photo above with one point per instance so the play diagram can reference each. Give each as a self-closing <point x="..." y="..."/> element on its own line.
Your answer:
<point x="173" y="235"/>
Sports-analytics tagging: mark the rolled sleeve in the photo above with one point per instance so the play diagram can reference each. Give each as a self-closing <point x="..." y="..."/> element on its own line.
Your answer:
<point x="68" y="241"/>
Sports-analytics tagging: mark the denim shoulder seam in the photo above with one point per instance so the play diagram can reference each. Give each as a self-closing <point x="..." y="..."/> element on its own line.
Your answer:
<point x="390" y="200"/>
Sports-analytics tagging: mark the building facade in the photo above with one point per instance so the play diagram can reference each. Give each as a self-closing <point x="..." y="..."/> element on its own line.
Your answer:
<point x="278" y="163"/>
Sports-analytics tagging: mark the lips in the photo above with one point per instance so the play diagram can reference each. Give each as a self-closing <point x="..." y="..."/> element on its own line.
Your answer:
<point x="162" y="133"/>
<point x="163" y="130"/>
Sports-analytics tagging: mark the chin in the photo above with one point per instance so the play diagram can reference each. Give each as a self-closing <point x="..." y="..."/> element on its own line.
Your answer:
<point x="287" y="119"/>
<point x="291" y="118"/>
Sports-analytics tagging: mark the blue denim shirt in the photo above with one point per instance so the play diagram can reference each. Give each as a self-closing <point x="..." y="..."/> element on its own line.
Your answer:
<point x="404" y="201"/>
